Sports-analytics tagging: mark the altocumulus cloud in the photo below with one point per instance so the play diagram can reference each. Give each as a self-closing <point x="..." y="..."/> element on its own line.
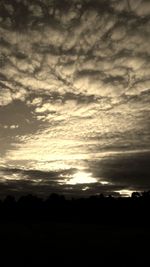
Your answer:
<point x="75" y="79"/>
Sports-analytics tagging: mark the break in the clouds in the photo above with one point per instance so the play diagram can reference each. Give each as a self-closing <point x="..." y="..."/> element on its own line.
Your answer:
<point x="74" y="93"/>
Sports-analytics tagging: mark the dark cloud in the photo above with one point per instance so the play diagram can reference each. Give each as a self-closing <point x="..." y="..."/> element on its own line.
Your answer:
<point x="127" y="170"/>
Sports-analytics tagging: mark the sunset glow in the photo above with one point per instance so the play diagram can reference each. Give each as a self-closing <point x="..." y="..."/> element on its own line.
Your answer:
<point x="81" y="178"/>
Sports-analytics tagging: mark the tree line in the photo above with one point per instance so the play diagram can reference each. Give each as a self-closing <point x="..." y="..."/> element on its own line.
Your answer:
<point x="99" y="208"/>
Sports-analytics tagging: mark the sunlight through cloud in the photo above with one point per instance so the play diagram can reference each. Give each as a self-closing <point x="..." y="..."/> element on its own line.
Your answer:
<point x="81" y="178"/>
<point x="125" y="192"/>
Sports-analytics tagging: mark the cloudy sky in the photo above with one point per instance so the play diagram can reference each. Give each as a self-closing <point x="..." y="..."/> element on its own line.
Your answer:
<point x="74" y="96"/>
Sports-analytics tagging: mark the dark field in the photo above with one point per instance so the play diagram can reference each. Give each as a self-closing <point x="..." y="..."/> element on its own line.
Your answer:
<point x="73" y="244"/>
<point x="97" y="231"/>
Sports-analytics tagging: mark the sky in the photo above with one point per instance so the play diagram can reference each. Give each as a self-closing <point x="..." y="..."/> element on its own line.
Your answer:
<point x="74" y="97"/>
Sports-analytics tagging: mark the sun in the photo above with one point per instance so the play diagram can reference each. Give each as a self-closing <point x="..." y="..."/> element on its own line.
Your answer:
<point x="81" y="178"/>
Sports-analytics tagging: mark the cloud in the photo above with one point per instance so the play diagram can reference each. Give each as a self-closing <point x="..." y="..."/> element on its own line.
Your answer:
<point x="141" y="9"/>
<point x="115" y="172"/>
<point x="46" y="70"/>
<point x="74" y="77"/>
<point x="5" y="97"/>
<point x="19" y="181"/>
<point x="128" y="170"/>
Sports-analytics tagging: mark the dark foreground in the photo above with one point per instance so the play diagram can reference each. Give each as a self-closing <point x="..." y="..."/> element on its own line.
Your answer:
<point x="97" y="231"/>
<point x="73" y="244"/>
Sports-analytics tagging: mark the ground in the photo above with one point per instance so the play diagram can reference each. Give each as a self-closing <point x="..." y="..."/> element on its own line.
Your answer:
<point x="73" y="244"/>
